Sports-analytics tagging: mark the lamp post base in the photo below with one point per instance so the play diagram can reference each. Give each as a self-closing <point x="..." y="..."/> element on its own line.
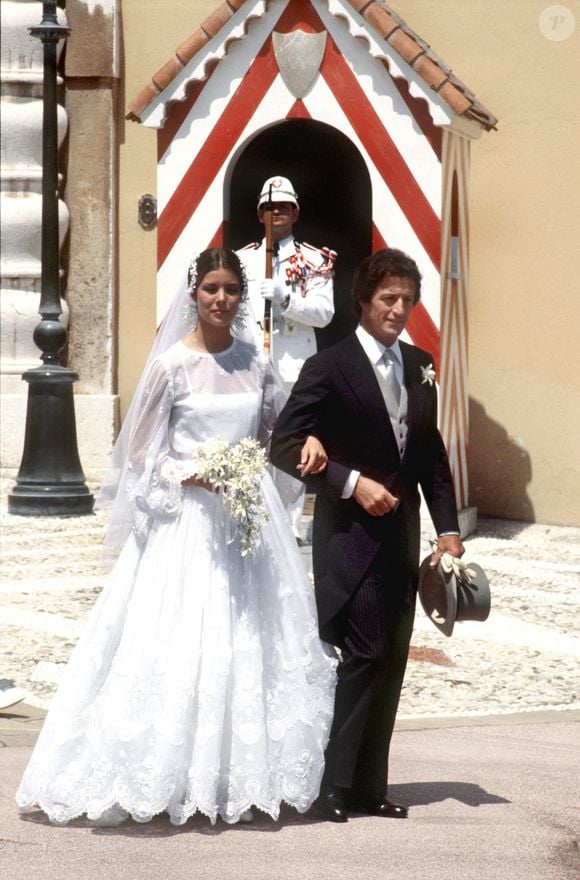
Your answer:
<point x="44" y="501"/>
<point x="50" y="481"/>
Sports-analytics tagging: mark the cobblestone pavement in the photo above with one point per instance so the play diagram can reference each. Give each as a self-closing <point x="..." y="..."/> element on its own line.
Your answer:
<point x="524" y="658"/>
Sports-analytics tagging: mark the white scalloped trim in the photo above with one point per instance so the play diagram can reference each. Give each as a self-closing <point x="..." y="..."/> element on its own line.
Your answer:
<point x="358" y="28"/>
<point x="233" y="31"/>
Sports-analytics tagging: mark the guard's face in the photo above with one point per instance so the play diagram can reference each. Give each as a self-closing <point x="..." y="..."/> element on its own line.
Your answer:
<point x="387" y="312"/>
<point x="284" y="215"/>
<point x="218" y="298"/>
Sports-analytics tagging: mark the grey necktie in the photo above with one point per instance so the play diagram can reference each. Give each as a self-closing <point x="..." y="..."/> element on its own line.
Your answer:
<point x="391" y="384"/>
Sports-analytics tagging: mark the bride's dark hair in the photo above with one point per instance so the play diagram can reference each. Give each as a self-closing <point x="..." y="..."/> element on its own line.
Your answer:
<point x="212" y="259"/>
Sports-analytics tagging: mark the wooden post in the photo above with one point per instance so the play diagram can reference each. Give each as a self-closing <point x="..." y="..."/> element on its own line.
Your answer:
<point x="267" y="215"/>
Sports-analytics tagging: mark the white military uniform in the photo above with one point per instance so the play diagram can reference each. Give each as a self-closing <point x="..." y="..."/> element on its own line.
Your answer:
<point x="306" y="273"/>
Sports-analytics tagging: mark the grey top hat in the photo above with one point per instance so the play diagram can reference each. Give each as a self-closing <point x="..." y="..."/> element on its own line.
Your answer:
<point x="448" y="597"/>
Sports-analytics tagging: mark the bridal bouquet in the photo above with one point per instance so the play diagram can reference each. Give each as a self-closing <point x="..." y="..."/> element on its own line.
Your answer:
<point x="237" y="471"/>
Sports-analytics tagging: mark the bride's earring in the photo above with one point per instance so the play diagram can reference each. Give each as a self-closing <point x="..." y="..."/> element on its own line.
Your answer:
<point x="190" y="312"/>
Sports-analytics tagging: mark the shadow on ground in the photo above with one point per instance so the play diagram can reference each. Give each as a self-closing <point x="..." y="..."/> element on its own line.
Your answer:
<point x="417" y="794"/>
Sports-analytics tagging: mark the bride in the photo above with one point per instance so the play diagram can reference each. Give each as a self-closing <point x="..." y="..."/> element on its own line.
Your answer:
<point x="199" y="683"/>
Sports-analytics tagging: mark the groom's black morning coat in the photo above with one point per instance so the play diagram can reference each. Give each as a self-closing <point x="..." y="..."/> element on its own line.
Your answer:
<point x="337" y="398"/>
<point x="365" y="567"/>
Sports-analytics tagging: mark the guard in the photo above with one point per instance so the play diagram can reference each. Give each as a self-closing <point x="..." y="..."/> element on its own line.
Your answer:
<point x="300" y="286"/>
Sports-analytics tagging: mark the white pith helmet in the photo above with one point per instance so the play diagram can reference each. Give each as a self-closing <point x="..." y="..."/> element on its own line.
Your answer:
<point x="281" y="190"/>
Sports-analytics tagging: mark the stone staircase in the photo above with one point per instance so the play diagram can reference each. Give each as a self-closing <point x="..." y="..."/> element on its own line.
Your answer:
<point x="50" y="576"/>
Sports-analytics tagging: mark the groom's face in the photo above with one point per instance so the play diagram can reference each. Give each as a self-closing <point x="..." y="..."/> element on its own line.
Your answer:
<point x="386" y="314"/>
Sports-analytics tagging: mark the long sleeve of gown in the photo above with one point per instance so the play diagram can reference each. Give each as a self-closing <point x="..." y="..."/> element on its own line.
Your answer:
<point x="153" y="485"/>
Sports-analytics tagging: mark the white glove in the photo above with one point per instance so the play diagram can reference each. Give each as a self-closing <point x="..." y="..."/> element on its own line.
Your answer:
<point x="273" y="290"/>
<point x="458" y="567"/>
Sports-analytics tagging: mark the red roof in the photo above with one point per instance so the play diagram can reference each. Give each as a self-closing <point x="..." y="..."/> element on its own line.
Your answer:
<point x="385" y="22"/>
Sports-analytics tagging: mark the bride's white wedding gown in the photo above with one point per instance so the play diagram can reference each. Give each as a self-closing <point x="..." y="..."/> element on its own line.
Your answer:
<point x="199" y="683"/>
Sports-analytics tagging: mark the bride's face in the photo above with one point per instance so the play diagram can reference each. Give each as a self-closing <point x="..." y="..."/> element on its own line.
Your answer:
<point x="218" y="298"/>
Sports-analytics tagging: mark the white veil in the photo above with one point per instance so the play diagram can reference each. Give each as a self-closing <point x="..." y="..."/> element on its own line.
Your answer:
<point x="114" y="493"/>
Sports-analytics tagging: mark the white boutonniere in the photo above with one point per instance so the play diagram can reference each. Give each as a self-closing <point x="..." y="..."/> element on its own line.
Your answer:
<point x="428" y="374"/>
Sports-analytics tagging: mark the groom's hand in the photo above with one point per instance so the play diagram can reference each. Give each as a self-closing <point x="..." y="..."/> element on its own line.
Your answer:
<point x="451" y="544"/>
<point x="373" y="497"/>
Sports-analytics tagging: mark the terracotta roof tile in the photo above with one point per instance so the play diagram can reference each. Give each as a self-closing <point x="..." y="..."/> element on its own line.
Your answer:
<point x="140" y="103"/>
<point x="190" y="47"/>
<point x="215" y="22"/>
<point x="167" y="74"/>
<point x="209" y="28"/>
<point x="405" y="46"/>
<point x="382" y="18"/>
<point x="430" y="72"/>
<point x="417" y="53"/>
<point x="360" y="5"/>
<point x="454" y="98"/>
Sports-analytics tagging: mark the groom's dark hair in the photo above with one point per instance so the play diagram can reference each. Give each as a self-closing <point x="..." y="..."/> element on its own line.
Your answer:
<point x="388" y="261"/>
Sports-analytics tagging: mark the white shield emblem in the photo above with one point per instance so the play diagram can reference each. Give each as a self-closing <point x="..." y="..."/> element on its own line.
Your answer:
<point x="299" y="56"/>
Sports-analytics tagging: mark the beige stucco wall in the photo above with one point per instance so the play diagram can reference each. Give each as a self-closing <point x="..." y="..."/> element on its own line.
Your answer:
<point x="149" y="39"/>
<point x="524" y="307"/>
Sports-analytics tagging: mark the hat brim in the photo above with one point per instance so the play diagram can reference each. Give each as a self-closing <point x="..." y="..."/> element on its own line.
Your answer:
<point x="438" y="595"/>
<point x="446" y="600"/>
<point x="277" y="197"/>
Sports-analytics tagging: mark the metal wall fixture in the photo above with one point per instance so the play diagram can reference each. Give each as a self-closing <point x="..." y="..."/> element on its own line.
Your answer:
<point x="147" y="211"/>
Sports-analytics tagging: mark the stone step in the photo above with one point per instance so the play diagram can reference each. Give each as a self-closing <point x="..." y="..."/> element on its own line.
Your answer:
<point x="62" y="584"/>
<point x="49" y="564"/>
<point x="34" y="548"/>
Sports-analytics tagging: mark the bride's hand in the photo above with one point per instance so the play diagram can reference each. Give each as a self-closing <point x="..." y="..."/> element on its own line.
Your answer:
<point x="195" y="481"/>
<point x="313" y="457"/>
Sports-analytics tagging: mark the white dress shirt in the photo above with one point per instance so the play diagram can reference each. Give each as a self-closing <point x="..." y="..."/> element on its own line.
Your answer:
<point x="374" y="350"/>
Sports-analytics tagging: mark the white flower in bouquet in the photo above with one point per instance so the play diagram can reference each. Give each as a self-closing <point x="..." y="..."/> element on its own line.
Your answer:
<point x="212" y="462"/>
<point x="238" y="471"/>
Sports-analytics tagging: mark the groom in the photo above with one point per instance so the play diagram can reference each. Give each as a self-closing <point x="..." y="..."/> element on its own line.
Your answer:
<point x="371" y="400"/>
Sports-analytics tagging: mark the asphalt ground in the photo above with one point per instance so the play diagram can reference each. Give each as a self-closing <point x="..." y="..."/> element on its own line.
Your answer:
<point x="492" y="798"/>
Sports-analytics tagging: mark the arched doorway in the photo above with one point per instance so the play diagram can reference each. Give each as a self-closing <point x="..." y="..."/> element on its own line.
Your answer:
<point x="334" y="190"/>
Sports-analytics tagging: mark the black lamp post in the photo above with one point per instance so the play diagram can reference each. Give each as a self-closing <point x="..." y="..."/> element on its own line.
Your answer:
<point x="50" y="481"/>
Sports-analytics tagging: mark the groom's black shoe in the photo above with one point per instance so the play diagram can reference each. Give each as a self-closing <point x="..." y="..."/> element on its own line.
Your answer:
<point x="331" y="804"/>
<point x="381" y="806"/>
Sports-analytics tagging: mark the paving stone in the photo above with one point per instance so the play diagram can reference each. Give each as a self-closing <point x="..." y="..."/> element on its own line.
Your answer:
<point x="524" y="658"/>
